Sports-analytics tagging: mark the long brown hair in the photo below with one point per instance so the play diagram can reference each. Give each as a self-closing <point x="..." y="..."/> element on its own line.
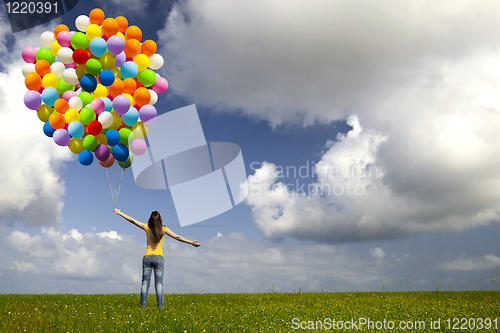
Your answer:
<point x="155" y="226"/>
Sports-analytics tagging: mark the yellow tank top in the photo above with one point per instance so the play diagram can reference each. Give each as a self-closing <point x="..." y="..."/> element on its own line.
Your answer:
<point x="151" y="248"/>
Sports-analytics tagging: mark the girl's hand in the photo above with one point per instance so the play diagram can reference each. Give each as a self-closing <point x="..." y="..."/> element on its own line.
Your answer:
<point x="195" y="243"/>
<point x="116" y="211"/>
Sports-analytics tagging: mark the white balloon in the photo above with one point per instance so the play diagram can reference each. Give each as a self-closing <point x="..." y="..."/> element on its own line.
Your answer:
<point x="70" y="77"/>
<point x="82" y="22"/>
<point x="57" y="68"/>
<point x="65" y="55"/>
<point x="155" y="61"/>
<point x="76" y="103"/>
<point x="47" y="38"/>
<point x="106" y="119"/>
<point x="154" y="97"/>
<point x="28" y="68"/>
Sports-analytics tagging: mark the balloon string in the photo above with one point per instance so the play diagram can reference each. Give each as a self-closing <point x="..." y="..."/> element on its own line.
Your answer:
<point x="108" y="181"/>
<point x="119" y="185"/>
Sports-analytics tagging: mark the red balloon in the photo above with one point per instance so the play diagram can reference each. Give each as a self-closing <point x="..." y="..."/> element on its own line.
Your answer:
<point x="94" y="128"/>
<point x="109" y="162"/>
<point x="80" y="56"/>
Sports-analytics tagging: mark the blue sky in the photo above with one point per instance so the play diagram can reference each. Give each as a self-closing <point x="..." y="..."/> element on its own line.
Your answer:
<point x="408" y="90"/>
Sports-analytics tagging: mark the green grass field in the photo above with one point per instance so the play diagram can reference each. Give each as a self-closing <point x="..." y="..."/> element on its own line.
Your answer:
<point x="259" y="312"/>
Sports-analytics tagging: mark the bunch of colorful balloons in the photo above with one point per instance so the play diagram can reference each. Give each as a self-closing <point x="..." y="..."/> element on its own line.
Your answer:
<point x="95" y="88"/>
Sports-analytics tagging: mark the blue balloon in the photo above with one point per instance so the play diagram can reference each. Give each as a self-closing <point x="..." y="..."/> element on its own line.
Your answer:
<point x="97" y="46"/>
<point x="113" y="137"/>
<point x="76" y="129"/>
<point x="85" y="157"/>
<point x="120" y="152"/>
<point x="108" y="105"/>
<point x="129" y="70"/>
<point x="131" y="117"/>
<point x="88" y="83"/>
<point x="50" y="96"/>
<point x="107" y="77"/>
<point x="49" y="131"/>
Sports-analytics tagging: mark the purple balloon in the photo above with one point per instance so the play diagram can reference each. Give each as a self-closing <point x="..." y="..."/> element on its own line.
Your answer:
<point x="147" y="113"/>
<point x="121" y="104"/>
<point x="115" y="45"/>
<point x="32" y="99"/>
<point x="120" y="59"/>
<point x="61" y="137"/>
<point x="102" y="152"/>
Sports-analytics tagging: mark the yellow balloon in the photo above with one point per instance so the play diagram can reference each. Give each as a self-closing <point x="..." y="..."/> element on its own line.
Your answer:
<point x="108" y="61"/>
<point x="130" y="98"/>
<point x="140" y="130"/>
<point x="101" y="139"/>
<point x="76" y="145"/>
<point x="81" y="70"/>
<point x="93" y="31"/>
<point x="44" y="112"/>
<point x="50" y="80"/>
<point x="142" y="61"/>
<point x="117" y="120"/>
<point x="54" y="48"/>
<point x="71" y="115"/>
<point x="116" y="71"/>
<point x="121" y="35"/>
<point x="100" y="91"/>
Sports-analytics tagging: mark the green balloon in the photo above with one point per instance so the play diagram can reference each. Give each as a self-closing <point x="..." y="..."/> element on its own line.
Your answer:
<point x="63" y="86"/>
<point x="128" y="162"/>
<point x="87" y="115"/>
<point x="79" y="40"/>
<point x="85" y="97"/>
<point x="90" y="142"/>
<point x="147" y="77"/>
<point x="44" y="53"/>
<point x="126" y="136"/>
<point x="93" y="66"/>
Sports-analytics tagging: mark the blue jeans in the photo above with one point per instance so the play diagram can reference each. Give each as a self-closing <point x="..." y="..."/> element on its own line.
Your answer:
<point x="150" y="262"/>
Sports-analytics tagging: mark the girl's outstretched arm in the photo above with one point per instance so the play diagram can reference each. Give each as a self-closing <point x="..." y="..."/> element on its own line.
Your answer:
<point x="181" y="239"/>
<point x="130" y="219"/>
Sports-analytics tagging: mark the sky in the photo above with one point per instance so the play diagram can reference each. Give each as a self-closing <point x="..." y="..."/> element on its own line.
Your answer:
<point x="369" y="132"/>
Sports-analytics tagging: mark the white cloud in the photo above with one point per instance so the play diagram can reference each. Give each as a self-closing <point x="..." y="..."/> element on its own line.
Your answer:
<point x="377" y="253"/>
<point x="488" y="262"/>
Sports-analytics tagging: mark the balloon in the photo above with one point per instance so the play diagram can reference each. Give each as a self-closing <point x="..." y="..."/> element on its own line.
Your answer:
<point x="120" y="59"/>
<point x="94" y="128"/>
<point x="131" y="117"/>
<point x="115" y="45"/>
<point x="71" y="115"/>
<point x="148" y="113"/>
<point x="140" y="130"/>
<point x="106" y="119"/>
<point x="97" y="105"/>
<point x="121" y="104"/>
<point x="76" y="145"/>
<point x="29" y="54"/>
<point x="129" y="70"/>
<point x="80" y="56"/>
<point x="113" y="137"/>
<point x="80" y="70"/>
<point x="76" y="129"/>
<point x="57" y="68"/>
<point x="82" y="22"/>
<point x="93" y="66"/>
<point x="85" y="97"/>
<point x="61" y="105"/>
<point x="127" y="163"/>
<point x="116" y="88"/>
<point x="101" y="139"/>
<point x="100" y="91"/>
<point x="68" y="94"/>
<point x="50" y="80"/>
<point x="49" y="96"/>
<point x="59" y="28"/>
<point x="33" y="81"/>
<point x="87" y="115"/>
<point x="133" y="32"/>
<point x="85" y="157"/>
<point x="108" y="105"/>
<point x="42" y="67"/>
<point x="54" y="48"/>
<point x="117" y="121"/>
<point x="142" y="96"/>
<point x="48" y="130"/>
<point x="44" y="112"/>
<point x="138" y="147"/>
<point x="70" y="77"/>
<point x="96" y="16"/>
<point x="129" y="86"/>
<point x="154" y="97"/>
<point x="155" y="61"/>
<point x="120" y="152"/>
<point x="47" y="38"/>
<point x="126" y="136"/>
<point x="93" y="31"/>
<point x="97" y="46"/>
<point x="107" y="60"/>
<point x="148" y="47"/>
<point x="122" y="24"/>
<point x="109" y="162"/>
<point x="106" y="77"/>
<point x="132" y="47"/>
<point x="79" y="41"/>
<point x="61" y="137"/>
<point x="65" y="87"/>
<point x="65" y="55"/>
<point x="102" y="152"/>
<point x="32" y="99"/>
<point x="90" y="142"/>
<point x="64" y="39"/>
<point x="88" y="82"/>
<point x="56" y="120"/>
<point x="28" y="68"/>
<point x="109" y="27"/>
<point x="160" y="85"/>
<point x="147" y="77"/>
<point x="142" y="61"/>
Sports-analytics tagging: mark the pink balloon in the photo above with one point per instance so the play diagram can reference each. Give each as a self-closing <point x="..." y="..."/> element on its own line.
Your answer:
<point x="161" y="85"/>
<point x="29" y="54"/>
<point x="68" y="94"/>
<point x="64" y="38"/>
<point x="97" y="105"/>
<point x="72" y="65"/>
<point x="138" y="147"/>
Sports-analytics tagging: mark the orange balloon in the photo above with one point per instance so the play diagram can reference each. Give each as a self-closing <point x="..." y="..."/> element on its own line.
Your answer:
<point x="122" y="23"/>
<point x="109" y="162"/>
<point x="133" y="32"/>
<point x="61" y="105"/>
<point x="116" y="88"/>
<point x="96" y="16"/>
<point x="148" y="47"/>
<point x="42" y="67"/>
<point x="129" y="86"/>
<point x="56" y="120"/>
<point x="132" y="48"/>
<point x="142" y="96"/>
<point x="109" y="27"/>
<point x="33" y="81"/>
<point x="59" y="28"/>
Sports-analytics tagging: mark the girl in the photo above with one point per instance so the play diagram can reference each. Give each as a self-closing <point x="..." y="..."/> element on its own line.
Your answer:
<point x="153" y="257"/>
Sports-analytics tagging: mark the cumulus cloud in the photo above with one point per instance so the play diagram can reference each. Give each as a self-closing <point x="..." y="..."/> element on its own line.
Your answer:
<point x="488" y="262"/>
